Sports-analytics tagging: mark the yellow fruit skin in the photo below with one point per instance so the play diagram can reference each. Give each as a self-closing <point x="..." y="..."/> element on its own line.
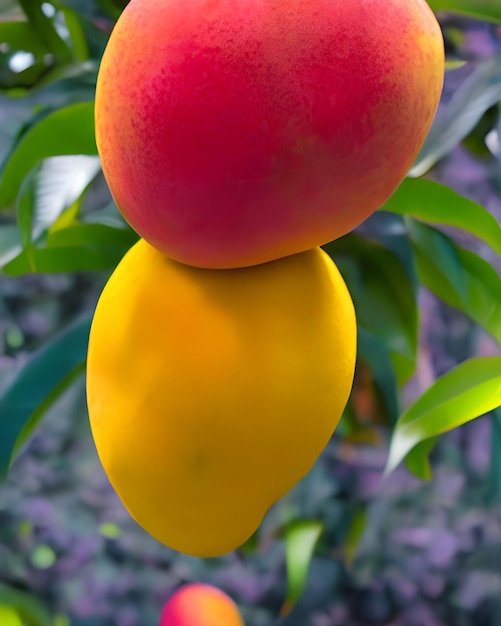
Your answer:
<point x="212" y="392"/>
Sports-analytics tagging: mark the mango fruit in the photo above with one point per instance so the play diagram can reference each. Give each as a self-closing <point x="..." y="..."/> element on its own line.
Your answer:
<point x="211" y="393"/>
<point x="200" y="605"/>
<point x="233" y="132"/>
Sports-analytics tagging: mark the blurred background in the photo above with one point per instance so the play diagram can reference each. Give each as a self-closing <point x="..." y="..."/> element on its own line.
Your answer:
<point x="398" y="551"/>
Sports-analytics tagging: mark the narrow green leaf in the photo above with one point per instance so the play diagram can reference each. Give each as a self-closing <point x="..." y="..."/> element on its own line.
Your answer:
<point x="459" y="116"/>
<point x="438" y="204"/>
<point x="46" y="30"/>
<point x="30" y="610"/>
<point x="417" y="460"/>
<point x="25" y="208"/>
<point x="97" y="234"/>
<point x="355" y="534"/>
<point x="466" y="392"/>
<point x="46" y="371"/>
<point x="69" y="130"/>
<point x="489" y="10"/>
<point x="60" y="181"/>
<point x="76" y="32"/>
<point x="88" y="258"/>
<point x="300" y="540"/>
<point x="459" y="277"/>
<point x="376" y="354"/>
<point x="383" y="295"/>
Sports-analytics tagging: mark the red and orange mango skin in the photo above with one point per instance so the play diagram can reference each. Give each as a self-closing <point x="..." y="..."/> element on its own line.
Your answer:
<point x="234" y="132"/>
<point x="200" y="605"/>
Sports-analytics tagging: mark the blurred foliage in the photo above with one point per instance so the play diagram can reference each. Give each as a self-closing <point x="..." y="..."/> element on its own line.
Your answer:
<point x="56" y="217"/>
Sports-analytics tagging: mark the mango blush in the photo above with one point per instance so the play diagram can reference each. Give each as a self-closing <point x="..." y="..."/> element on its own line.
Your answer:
<point x="235" y="132"/>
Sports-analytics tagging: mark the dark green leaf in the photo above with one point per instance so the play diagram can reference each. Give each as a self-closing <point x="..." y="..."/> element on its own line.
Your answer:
<point x="463" y="394"/>
<point x="489" y="10"/>
<point x="66" y="131"/>
<point x="376" y="354"/>
<point x="37" y="385"/>
<point x="46" y="30"/>
<point x="459" y="277"/>
<point x="438" y="204"/>
<point x="300" y="540"/>
<point x="383" y="295"/>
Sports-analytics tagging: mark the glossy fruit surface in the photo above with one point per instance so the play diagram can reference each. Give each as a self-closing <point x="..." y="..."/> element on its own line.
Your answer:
<point x="200" y="605"/>
<point x="211" y="393"/>
<point x="232" y="133"/>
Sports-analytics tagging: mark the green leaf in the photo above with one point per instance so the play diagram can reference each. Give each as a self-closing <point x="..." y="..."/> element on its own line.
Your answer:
<point x="46" y="30"/>
<point x="376" y="354"/>
<point x="75" y="248"/>
<point x="417" y="460"/>
<point x="38" y="385"/>
<point x="438" y="204"/>
<point x="29" y="609"/>
<point x="66" y="131"/>
<point x="489" y="10"/>
<point x="10" y="243"/>
<point x="60" y="182"/>
<point x="9" y="616"/>
<point x="97" y="234"/>
<point x="464" y="393"/>
<point x="22" y="36"/>
<point x="456" y="119"/>
<point x="459" y="277"/>
<point x="383" y="295"/>
<point x="300" y="540"/>
<point x="76" y="33"/>
<point x="355" y="534"/>
<point x="71" y="258"/>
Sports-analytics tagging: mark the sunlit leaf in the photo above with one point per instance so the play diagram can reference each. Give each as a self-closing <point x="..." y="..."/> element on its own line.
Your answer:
<point x="417" y="460"/>
<point x="300" y="540"/>
<point x="87" y="258"/>
<point x="9" y="616"/>
<point x="29" y="609"/>
<point x="48" y="373"/>
<point x="60" y="182"/>
<point x="438" y="204"/>
<point x="456" y="119"/>
<point x="464" y="393"/>
<point x="69" y="130"/>
<point x="459" y="277"/>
